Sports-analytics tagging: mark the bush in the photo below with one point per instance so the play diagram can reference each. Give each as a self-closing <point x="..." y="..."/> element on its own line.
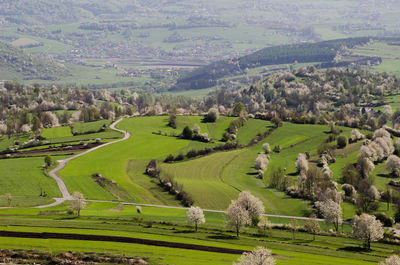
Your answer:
<point x="342" y="141"/>
<point x="386" y="221"/>
<point x="169" y="158"/>
<point x="277" y="149"/>
<point x="212" y="115"/>
<point x="179" y="157"/>
<point x="187" y="133"/>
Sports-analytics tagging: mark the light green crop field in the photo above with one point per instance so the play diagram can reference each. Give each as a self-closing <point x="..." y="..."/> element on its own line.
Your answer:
<point x="25" y="179"/>
<point x="251" y="128"/>
<point x="83" y="127"/>
<point x="63" y="134"/>
<point x="57" y="132"/>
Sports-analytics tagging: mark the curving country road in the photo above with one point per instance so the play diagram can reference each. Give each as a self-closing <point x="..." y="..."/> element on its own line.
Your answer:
<point x="61" y="185"/>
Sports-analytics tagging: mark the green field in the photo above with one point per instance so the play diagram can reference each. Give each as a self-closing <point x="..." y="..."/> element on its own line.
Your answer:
<point x="84" y="127"/>
<point x="99" y="219"/>
<point x="112" y="161"/>
<point x="24" y="179"/>
<point x="57" y="132"/>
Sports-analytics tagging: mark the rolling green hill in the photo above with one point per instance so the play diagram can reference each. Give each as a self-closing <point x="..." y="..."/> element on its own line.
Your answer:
<point x="16" y="62"/>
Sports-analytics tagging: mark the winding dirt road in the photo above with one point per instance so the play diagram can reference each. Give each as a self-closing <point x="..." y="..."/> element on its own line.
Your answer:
<point x="61" y="185"/>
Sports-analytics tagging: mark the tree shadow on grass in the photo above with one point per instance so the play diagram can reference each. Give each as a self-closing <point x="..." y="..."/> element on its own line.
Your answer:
<point x="222" y="236"/>
<point x="301" y="241"/>
<point x="389" y="176"/>
<point x="355" y="249"/>
<point x="184" y="232"/>
<point x="68" y="218"/>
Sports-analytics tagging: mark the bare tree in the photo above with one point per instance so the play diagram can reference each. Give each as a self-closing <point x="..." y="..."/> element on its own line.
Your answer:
<point x="392" y="260"/>
<point x="367" y="228"/>
<point x="312" y="225"/>
<point x="293" y="227"/>
<point x="259" y="256"/>
<point x="237" y="217"/>
<point x="331" y="211"/>
<point x="9" y="199"/>
<point x="78" y="202"/>
<point x="195" y="216"/>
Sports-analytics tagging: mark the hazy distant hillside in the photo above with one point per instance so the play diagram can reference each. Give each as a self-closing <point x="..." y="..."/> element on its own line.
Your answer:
<point x="14" y="60"/>
<point x="322" y="53"/>
<point x="152" y="43"/>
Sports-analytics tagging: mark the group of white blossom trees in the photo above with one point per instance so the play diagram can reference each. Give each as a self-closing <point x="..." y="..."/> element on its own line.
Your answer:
<point x="244" y="211"/>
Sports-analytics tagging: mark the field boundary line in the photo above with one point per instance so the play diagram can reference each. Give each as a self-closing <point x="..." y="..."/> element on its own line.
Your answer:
<point x="120" y="239"/>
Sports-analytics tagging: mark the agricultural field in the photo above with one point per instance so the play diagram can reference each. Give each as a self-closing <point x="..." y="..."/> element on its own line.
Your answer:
<point x="138" y="151"/>
<point x="301" y="250"/>
<point x="25" y="180"/>
<point x="221" y="175"/>
<point x="87" y="127"/>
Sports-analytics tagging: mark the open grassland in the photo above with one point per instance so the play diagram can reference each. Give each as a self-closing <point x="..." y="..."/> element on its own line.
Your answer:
<point x="25" y="180"/>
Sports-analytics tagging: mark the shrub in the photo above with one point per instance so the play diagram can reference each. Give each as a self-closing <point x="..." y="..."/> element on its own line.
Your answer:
<point x="212" y="115"/>
<point x="342" y="141"/>
<point x="386" y="221"/>
<point x="277" y="149"/>
<point x="187" y="133"/>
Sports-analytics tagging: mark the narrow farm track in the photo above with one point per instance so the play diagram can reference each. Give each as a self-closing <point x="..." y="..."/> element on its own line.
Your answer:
<point x="53" y="173"/>
<point x="204" y="210"/>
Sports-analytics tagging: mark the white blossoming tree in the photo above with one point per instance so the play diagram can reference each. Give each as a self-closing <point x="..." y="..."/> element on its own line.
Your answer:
<point x="195" y="216"/>
<point x="331" y="211"/>
<point x="78" y="203"/>
<point x="367" y="229"/>
<point x="252" y="205"/>
<point x="392" y="260"/>
<point x="259" y="256"/>
<point x="302" y="163"/>
<point x="237" y="217"/>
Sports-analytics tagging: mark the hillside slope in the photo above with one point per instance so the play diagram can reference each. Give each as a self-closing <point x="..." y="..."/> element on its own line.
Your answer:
<point x="322" y="53"/>
<point x="16" y="61"/>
